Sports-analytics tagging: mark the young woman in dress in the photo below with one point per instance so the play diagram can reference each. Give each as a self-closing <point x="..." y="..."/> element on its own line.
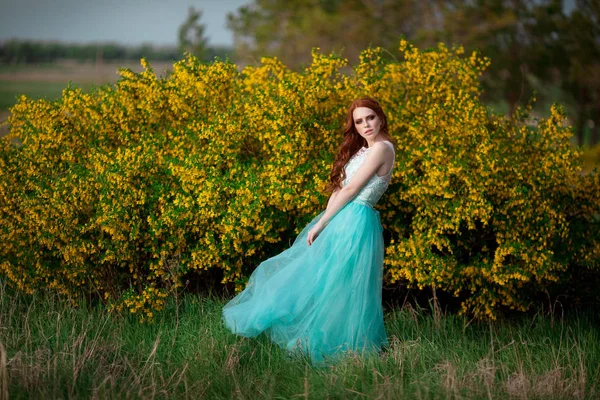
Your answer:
<point x="322" y="296"/>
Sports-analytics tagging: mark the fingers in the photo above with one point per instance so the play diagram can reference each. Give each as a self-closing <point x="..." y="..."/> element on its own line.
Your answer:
<point x="310" y="239"/>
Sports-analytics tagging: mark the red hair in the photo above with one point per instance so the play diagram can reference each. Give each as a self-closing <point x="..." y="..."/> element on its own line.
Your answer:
<point x="353" y="142"/>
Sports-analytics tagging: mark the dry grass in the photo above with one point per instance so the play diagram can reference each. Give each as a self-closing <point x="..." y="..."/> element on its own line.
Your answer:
<point x="79" y="72"/>
<point x="3" y="374"/>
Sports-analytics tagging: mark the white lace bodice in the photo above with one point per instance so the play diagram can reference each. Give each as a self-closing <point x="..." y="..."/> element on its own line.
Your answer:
<point x="376" y="186"/>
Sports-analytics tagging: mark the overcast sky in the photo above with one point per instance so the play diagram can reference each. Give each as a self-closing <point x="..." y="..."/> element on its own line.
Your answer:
<point x="125" y="21"/>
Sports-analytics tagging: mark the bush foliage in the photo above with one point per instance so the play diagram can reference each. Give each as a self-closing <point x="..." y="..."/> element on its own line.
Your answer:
<point x="121" y="192"/>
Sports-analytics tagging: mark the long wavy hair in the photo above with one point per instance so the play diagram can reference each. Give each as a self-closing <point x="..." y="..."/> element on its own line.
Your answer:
<point x="353" y="142"/>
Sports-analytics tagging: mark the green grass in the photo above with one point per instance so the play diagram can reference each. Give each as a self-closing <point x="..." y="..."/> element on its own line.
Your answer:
<point x="11" y="90"/>
<point x="56" y="351"/>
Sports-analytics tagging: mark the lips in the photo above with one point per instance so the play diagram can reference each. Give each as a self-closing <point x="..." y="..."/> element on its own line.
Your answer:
<point x="368" y="131"/>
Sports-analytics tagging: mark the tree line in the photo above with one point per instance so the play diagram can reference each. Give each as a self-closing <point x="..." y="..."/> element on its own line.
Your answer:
<point x="17" y="51"/>
<point x="191" y="39"/>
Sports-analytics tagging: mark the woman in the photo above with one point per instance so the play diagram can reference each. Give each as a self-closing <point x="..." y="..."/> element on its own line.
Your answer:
<point x="322" y="296"/>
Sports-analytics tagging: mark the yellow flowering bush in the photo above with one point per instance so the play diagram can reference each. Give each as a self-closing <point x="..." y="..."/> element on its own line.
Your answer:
<point x="124" y="192"/>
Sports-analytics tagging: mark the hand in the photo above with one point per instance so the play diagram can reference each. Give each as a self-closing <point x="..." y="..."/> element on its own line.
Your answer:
<point x="314" y="232"/>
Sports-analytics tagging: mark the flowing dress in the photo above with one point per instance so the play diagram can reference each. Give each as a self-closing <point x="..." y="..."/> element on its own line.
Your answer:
<point x="325" y="299"/>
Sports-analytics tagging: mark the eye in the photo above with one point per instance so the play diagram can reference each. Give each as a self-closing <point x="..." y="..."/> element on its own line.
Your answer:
<point x="371" y="117"/>
<point x="358" y="121"/>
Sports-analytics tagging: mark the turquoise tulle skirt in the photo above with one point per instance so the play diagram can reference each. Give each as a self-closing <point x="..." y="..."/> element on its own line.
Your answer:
<point x="321" y="300"/>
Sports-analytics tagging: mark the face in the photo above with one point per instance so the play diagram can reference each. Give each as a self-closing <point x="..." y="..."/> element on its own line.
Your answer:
<point x="366" y="122"/>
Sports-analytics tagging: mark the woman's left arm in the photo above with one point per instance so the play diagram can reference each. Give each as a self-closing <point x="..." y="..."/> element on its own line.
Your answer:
<point x="332" y="198"/>
<point x="374" y="160"/>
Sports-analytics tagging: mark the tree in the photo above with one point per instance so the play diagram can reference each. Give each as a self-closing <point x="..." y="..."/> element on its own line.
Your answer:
<point x="529" y="42"/>
<point x="532" y="39"/>
<point x="191" y="35"/>
<point x="501" y="30"/>
<point x="289" y="30"/>
<point x="580" y="75"/>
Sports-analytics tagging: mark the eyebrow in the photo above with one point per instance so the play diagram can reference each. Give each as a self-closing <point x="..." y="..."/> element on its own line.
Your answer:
<point x="358" y="119"/>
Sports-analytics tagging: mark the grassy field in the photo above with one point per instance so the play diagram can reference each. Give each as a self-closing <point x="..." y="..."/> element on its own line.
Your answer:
<point x="48" y="80"/>
<point x="55" y="351"/>
<point x="10" y="90"/>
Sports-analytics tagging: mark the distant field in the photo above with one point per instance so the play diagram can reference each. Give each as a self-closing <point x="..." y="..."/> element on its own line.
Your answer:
<point x="48" y="80"/>
<point x="76" y="71"/>
<point x="11" y="90"/>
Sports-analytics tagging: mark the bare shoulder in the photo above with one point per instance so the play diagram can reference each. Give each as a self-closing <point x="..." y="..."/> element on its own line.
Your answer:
<point x="384" y="149"/>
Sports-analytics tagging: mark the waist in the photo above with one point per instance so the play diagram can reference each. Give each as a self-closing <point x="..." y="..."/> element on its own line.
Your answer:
<point x="364" y="203"/>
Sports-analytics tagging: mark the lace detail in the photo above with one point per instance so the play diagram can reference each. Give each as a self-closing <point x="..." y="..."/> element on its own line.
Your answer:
<point x="376" y="186"/>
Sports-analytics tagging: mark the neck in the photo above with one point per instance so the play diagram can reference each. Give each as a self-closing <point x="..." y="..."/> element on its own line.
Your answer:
<point x="375" y="140"/>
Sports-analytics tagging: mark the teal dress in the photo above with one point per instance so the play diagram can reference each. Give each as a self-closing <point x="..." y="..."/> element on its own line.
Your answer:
<point x="325" y="299"/>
